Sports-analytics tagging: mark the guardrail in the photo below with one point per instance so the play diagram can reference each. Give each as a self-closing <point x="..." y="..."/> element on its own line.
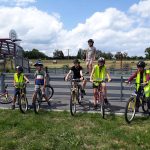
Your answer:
<point x="116" y="88"/>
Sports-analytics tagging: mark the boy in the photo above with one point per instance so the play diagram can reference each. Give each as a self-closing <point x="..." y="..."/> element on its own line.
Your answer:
<point x="19" y="80"/>
<point x="40" y="81"/>
<point x="77" y="74"/>
<point x="142" y="76"/>
<point x="99" y="72"/>
<point x="90" y="55"/>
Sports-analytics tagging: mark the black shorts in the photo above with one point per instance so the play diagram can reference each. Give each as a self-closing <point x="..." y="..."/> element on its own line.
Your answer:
<point x="94" y="86"/>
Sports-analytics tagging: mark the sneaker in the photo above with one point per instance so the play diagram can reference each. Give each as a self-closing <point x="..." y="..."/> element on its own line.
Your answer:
<point x="49" y="103"/>
<point x="106" y="101"/>
<point x="83" y="92"/>
<point x="95" y="107"/>
<point x="12" y="106"/>
<point x="136" y="109"/>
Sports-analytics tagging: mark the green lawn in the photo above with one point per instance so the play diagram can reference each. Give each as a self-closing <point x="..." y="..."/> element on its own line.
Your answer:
<point x="58" y="130"/>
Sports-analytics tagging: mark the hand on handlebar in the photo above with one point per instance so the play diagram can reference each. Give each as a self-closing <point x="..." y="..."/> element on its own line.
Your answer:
<point x="127" y="82"/>
<point x="109" y="80"/>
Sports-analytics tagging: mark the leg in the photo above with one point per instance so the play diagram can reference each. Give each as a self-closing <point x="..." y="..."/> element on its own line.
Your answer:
<point x="16" y="92"/>
<point x="87" y="66"/>
<point x="90" y="66"/>
<point x="45" y="97"/>
<point x="104" y="91"/>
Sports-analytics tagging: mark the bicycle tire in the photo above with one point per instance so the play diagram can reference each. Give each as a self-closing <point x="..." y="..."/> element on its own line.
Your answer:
<point x="36" y="104"/>
<point x="79" y="96"/>
<point x="50" y="90"/>
<point x="131" y="103"/>
<point x="6" y="99"/>
<point x="103" y="109"/>
<point x="23" y="104"/>
<point x="73" y="104"/>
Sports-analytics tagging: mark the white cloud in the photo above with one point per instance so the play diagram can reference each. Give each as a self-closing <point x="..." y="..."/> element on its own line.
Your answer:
<point x="112" y="30"/>
<point x="17" y="2"/>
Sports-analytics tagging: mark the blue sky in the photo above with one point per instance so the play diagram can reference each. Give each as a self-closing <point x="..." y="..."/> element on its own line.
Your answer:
<point x="115" y="25"/>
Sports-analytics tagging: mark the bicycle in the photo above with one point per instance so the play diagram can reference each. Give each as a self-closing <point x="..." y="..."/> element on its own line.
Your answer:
<point x="5" y="98"/>
<point x="100" y="100"/>
<point x="39" y="97"/>
<point x="76" y="95"/>
<point x="22" y="99"/>
<point x="130" y="109"/>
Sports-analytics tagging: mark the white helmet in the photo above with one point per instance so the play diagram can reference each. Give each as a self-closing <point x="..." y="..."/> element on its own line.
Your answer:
<point x="101" y="59"/>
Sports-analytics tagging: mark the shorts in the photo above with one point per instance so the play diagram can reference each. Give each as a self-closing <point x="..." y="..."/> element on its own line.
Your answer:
<point x="41" y="87"/>
<point x="16" y="91"/>
<point x="96" y="87"/>
<point x="89" y="61"/>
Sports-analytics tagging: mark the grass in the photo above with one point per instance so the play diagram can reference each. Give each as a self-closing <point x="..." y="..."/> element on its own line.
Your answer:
<point x="58" y="130"/>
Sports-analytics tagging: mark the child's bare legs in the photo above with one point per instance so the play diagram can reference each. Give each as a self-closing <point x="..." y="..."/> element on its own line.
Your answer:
<point x="95" y="92"/>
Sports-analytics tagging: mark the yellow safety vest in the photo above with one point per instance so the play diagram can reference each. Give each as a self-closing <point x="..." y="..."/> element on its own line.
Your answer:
<point x="146" y="88"/>
<point x="19" y="80"/>
<point x="99" y="73"/>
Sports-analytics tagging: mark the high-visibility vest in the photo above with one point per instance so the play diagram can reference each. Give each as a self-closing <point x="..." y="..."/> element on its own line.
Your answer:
<point x="146" y="88"/>
<point x="99" y="73"/>
<point x="19" y="79"/>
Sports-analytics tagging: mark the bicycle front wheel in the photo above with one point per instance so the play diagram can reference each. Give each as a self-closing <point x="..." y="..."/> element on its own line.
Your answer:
<point x="23" y="104"/>
<point x="103" y="109"/>
<point x="73" y="104"/>
<point x="5" y="99"/>
<point x="130" y="109"/>
<point x="79" y="96"/>
<point x="36" y="104"/>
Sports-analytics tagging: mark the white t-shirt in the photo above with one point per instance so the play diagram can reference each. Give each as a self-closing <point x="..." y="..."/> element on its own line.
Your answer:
<point x="91" y="52"/>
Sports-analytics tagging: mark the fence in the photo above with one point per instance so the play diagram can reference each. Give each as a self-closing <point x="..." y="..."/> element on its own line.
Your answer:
<point x="116" y="89"/>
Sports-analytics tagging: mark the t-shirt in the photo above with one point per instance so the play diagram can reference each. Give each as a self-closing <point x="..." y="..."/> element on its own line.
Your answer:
<point x="91" y="52"/>
<point x="39" y="77"/>
<point x="76" y="72"/>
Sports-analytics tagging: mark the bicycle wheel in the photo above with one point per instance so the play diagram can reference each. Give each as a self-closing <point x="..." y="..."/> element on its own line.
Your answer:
<point x="130" y="109"/>
<point x="5" y="99"/>
<point x="49" y="91"/>
<point x="73" y="104"/>
<point x="36" y="104"/>
<point x="102" y="109"/>
<point x="79" y="96"/>
<point x="23" y="104"/>
<point x="144" y="106"/>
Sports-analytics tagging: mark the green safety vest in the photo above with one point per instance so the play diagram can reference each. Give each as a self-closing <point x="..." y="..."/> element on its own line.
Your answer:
<point x="146" y="88"/>
<point x="99" y="73"/>
<point x="19" y="80"/>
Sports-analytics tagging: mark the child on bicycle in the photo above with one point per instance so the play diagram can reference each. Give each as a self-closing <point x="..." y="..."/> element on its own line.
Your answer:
<point x="99" y="73"/>
<point x="142" y="76"/>
<point x="77" y="74"/>
<point x="40" y="81"/>
<point x="19" y="80"/>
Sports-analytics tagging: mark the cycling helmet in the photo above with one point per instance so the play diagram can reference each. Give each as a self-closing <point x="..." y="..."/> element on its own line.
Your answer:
<point x="38" y="63"/>
<point x="141" y="64"/>
<point x="101" y="59"/>
<point x="76" y="61"/>
<point x="91" y="40"/>
<point x="19" y="68"/>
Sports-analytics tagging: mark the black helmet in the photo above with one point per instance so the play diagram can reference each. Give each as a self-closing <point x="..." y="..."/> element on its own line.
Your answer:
<point x="91" y="40"/>
<point x="38" y="63"/>
<point x="141" y="64"/>
<point x="76" y="61"/>
<point x="19" y="68"/>
<point x="101" y="59"/>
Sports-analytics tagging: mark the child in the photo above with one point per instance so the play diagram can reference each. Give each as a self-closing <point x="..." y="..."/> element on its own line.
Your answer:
<point x="90" y="55"/>
<point x="40" y="81"/>
<point x="19" y="80"/>
<point x="99" y="72"/>
<point x="77" y="74"/>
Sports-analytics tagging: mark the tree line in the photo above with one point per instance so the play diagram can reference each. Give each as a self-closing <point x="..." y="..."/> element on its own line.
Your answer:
<point x="81" y="54"/>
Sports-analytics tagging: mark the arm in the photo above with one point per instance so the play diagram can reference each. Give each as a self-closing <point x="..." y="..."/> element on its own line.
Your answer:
<point x="132" y="77"/>
<point x="26" y="79"/>
<point x="94" y="54"/>
<point x="108" y="76"/>
<point x="66" y="78"/>
<point x="81" y="74"/>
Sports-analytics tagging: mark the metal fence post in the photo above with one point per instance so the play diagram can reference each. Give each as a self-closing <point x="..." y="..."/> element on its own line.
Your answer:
<point x="121" y="91"/>
<point x="2" y="82"/>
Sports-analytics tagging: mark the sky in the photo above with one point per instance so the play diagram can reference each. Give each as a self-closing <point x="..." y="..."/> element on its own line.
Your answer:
<point x="115" y="25"/>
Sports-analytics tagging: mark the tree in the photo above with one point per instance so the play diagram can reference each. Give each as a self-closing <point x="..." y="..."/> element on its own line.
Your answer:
<point x="147" y="52"/>
<point x="34" y="54"/>
<point x="58" y="54"/>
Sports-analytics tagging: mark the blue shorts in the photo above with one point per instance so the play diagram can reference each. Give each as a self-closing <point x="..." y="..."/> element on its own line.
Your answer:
<point x="16" y="91"/>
